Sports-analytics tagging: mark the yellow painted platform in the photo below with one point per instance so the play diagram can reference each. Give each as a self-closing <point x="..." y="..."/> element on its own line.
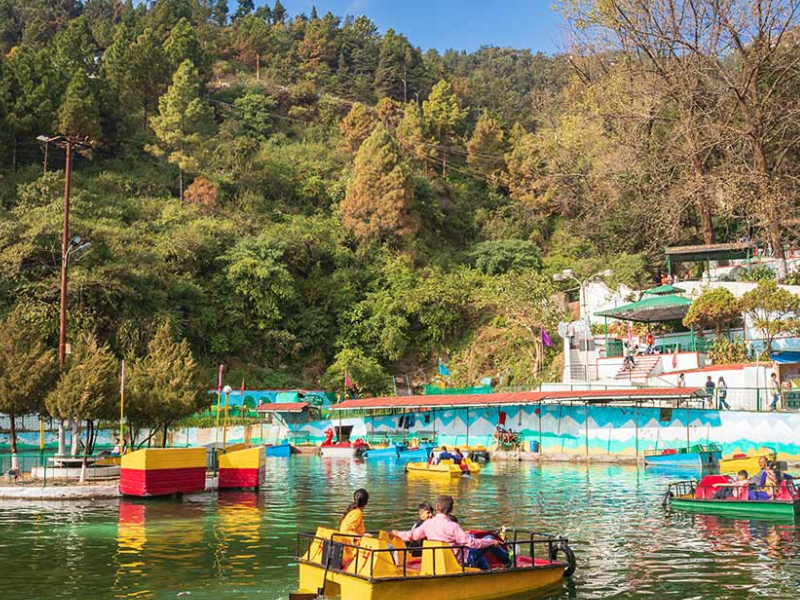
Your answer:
<point x="249" y="458"/>
<point x="152" y="459"/>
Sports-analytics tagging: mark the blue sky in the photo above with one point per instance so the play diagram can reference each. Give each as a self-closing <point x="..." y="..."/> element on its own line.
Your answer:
<point x="459" y="24"/>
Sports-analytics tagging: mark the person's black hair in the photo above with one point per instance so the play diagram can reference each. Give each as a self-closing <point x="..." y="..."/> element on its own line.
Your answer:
<point x="444" y="448"/>
<point x="360" y="499"/>
<point x="743" y="473"/>
<point x="425" y="506"/>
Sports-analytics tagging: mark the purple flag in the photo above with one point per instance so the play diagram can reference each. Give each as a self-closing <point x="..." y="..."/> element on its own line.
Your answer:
<point x="546" y="339"/>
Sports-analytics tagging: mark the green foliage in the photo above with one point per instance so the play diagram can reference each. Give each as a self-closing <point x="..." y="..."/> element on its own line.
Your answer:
<point x="27" y="370"/>
<point x="756" y="274"/>
<point x="184" y="119"/>
<point x="366" y="373"/>
<point x="79" y="114"/>
<point x="497" y="257"/>
<point x="774" y="310"/>
<point x="165" y="384"/>
<point x="716" y="308"/>
<point x="727" y="352"/>
<point x="89" y="386"/>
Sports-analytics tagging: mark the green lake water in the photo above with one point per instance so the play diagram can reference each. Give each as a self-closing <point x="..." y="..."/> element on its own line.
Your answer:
<point x="242" y="545"/>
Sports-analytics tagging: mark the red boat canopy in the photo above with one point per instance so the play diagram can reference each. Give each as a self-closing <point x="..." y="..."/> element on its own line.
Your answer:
<point x="521" y="398"/>
<point x="285" y="407"/>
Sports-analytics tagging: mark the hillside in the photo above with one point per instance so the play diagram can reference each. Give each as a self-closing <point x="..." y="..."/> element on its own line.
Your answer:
<point x="301" y="195"/>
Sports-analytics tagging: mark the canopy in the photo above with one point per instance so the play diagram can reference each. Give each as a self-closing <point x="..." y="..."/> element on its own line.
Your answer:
<point x="738" y="250"/>
<point x="664" y="290"/>
<point x="604" y="396"/>
<point x="282" y="407"/>
<point x="650" y="310"/>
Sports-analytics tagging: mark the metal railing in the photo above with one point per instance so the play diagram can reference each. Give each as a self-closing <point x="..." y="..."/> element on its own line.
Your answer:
<point x="331" y="553"/>
<point x="49" y="470"/>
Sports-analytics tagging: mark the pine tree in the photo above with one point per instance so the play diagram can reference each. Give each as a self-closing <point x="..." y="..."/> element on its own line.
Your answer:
<point x="182" y="44"/>
<point x="278" y="12"/>
<point x="165" y="385"/>
<point x="79" y="114"/>
<point x="220" y="12"/>
<point x="356" y="126"/>
<point x="246" y="8"/>
<point x="379" y="203"/>
<point x="250" y="37"/>
<point x="183" y="121"/>
<point x="411" y="133"/>
<point x="443" y="117"/>
<point x="27" y="371"/>
<point x="486" y="148"/>
<point x="87" y="389"/>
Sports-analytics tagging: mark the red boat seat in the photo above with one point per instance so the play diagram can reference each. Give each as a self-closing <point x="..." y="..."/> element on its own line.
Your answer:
<point x="740" y="455"/>
<point x="668" y="451"/>
<point x="705" y="489"/>
<point x="786" y="491"/>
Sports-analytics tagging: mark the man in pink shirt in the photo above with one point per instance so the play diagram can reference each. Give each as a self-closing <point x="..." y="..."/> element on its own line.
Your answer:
<point x="442" y="528"/>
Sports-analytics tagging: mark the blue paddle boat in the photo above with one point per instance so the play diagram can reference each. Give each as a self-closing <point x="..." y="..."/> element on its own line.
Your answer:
<point x="698" y="456"/>
<point x="420" y="454"/>
<point x="282" y="450"/>
<point x="390" y="451"/>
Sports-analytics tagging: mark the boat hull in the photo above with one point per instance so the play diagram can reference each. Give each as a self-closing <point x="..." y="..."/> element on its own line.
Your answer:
<point x="751" y="508"/>
<point x="278" y="450"/>
<point x="698" y="460"/>
<point x="487" y="585"/>
<point x="443" y="469"/>
<point x="339" y="451"/>
<point x="389" y="452"/>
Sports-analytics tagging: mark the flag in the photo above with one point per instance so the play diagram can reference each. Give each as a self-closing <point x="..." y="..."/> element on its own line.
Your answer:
<point x="675" y="357"/>
<point x="443" y="370"/>
<point x="546" y="339"/>
<point x="219" y="378"/>
<point x="347" y="381"/>
<point x="349" y="390"/>
<point x="241" y="393"/>
<point x="630" y="335"/>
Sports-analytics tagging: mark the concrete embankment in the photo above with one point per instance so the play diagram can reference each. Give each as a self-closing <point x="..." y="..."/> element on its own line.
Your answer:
<point x="89" y="491"/>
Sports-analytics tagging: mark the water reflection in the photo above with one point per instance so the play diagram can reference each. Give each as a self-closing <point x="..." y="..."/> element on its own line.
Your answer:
<point x="242" y="544"/>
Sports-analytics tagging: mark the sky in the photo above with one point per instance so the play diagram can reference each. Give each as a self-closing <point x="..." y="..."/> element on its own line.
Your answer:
<point x="458" y="24"/>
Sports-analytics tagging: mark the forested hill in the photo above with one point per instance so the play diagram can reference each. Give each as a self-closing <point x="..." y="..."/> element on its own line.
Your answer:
<point x="301" y="195"/>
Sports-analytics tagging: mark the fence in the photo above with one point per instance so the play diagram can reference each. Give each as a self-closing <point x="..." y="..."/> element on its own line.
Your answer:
<point x="43" y="462"/>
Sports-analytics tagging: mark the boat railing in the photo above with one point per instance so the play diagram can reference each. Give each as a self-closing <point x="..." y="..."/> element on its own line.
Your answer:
<point x="682" y="488"/>
<point x="331" y="552"/>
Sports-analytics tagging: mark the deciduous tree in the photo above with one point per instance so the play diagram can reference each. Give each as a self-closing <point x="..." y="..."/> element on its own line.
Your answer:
<point x="357" y="126"/>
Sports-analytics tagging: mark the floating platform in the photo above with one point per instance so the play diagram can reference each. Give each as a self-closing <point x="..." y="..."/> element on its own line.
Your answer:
<point x="243" y="469"/>
<point x="163" y="471"/>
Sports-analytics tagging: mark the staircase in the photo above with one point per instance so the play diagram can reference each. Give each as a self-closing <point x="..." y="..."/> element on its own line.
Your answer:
<point x="645" y="365"/>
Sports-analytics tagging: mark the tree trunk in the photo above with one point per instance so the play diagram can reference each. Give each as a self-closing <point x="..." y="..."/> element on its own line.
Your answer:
<point x="166" y="430"/>
<point x="258" y="66"/>
<point x="62" y="438"/>
<point x="86" y="450"/>
<point x="701" y="200"/>
<point x="444" y="164"/>
<point x="180" y="184"/>
<point x="75" y="433"/>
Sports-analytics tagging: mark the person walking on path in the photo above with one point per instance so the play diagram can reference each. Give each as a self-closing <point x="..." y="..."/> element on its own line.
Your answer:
<point x="775" y="389"/>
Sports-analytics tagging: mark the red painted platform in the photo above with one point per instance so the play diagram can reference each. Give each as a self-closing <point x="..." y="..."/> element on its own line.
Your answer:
<point x="161" y="482"/>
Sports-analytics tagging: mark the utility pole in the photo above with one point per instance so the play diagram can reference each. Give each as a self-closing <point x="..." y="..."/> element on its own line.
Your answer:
<point x="62" y="315"/>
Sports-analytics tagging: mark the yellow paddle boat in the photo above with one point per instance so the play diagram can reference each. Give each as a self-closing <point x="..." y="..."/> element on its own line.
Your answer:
<point x="748" y="462"/>
<point x="444" y="468"/>
<point x="383" y="568"/>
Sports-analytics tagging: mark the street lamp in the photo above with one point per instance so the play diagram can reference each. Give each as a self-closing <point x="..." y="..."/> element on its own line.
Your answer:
<point x="568" y="274"/>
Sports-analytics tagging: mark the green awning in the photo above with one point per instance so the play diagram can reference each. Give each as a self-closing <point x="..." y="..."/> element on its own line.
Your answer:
<point x="738" y="250"/>
<point x="650" y="310"/>
<point x="664" y="290"/>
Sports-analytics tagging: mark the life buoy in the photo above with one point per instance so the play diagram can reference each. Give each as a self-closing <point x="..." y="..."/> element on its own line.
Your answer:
<point x="569" y="555"/>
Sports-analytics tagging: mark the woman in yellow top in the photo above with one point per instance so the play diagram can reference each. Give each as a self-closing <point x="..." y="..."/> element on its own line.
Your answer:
<point x="352" y="522"/>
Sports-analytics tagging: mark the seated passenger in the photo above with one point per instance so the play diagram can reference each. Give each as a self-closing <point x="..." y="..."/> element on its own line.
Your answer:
<point x="444" y="455"/>
<point x="765" y="481"/>
<point x="442" y="528"/>
<point x="352" y="522"/>
<point x="424" y="512"/>
<point x="727" y="490"/>
<point x="457" y="456"/>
